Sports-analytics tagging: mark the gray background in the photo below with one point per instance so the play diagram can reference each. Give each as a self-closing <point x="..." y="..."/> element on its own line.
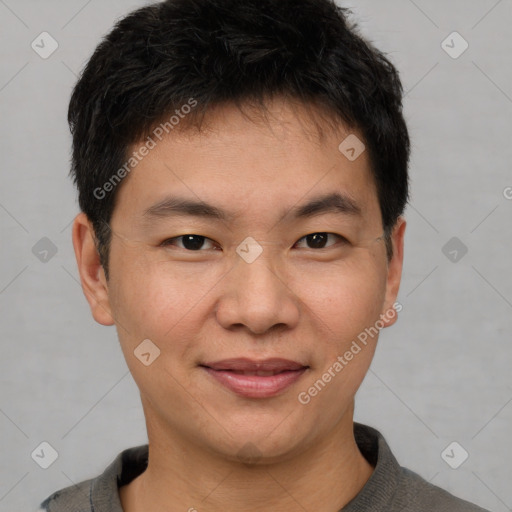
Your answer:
<point x="441" y="374"/>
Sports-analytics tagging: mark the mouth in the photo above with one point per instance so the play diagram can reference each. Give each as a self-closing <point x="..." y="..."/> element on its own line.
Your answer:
<point x="260" y="373"/>
<point x="256" y="379"/>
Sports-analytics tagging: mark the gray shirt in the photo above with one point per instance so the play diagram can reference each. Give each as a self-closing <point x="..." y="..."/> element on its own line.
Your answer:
<point x="391" y="488"/>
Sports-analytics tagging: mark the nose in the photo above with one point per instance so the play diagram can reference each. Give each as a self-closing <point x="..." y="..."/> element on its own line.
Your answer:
<point x="255" y="296"/>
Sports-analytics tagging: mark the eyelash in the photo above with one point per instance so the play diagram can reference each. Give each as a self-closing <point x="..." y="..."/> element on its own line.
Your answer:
<point x="343" y="240"/>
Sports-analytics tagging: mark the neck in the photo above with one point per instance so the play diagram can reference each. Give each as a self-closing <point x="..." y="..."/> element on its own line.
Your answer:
<point x="183" y="477"/>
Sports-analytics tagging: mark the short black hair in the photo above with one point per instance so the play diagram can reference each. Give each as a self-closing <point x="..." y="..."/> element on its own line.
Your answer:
<point x="206" y="53"/>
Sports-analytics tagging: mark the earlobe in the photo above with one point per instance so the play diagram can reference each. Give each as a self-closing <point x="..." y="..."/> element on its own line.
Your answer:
<point x="394" y="276"/>
<point x="92" y="276"/>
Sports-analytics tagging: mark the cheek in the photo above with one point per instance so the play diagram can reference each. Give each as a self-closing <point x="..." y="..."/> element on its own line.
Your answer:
<point x="345" y="298"/>
<point x="345" y="306"/>
<point x="160" y="300"/>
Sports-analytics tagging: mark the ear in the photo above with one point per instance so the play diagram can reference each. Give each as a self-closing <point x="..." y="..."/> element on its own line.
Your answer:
<point x="92" y="276"/>
<point x="394" y="276"/>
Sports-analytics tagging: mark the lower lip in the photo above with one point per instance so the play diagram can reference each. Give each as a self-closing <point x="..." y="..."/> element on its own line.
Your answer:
<point x="254" y="386"/>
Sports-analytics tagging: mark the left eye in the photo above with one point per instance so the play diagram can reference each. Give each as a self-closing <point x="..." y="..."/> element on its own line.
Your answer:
<point x="319" y="240"/>
<point x="189" y="242"/>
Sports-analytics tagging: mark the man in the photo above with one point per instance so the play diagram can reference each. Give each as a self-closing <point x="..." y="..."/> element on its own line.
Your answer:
<point x="242" y="175"/>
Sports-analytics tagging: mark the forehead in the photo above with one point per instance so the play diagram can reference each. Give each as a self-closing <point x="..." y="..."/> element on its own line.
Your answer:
<point x="251" y="166"/>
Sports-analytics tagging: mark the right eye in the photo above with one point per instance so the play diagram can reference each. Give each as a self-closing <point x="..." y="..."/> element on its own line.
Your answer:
<point x="189" y="242"/>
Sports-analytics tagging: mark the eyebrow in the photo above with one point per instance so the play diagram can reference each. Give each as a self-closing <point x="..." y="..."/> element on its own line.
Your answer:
<point x="179" y="206"/>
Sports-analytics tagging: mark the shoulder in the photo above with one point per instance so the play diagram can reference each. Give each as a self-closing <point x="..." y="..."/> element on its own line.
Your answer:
<point x="101" y="492"/>
<point x="394" y="488"/>
<point x="75" y="497"/>
<point x="415" y="493"/>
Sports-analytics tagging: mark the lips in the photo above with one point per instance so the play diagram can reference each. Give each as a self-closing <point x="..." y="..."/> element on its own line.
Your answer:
<point x="256" y="379"/>
<point x="247" y="366"/>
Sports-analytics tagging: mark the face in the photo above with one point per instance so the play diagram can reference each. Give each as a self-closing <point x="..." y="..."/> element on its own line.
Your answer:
<point x="285" y="262"/>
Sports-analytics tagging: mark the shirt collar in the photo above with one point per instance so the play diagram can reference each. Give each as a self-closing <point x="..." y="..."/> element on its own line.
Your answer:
<point x="103" y="495"/>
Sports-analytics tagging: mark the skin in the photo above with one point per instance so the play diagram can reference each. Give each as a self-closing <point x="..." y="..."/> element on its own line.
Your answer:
<point x="295" y="301"/>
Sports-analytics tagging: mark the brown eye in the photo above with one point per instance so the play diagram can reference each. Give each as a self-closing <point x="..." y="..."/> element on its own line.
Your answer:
<point x="319" y="240"/>
<point x="188" y="242"/>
